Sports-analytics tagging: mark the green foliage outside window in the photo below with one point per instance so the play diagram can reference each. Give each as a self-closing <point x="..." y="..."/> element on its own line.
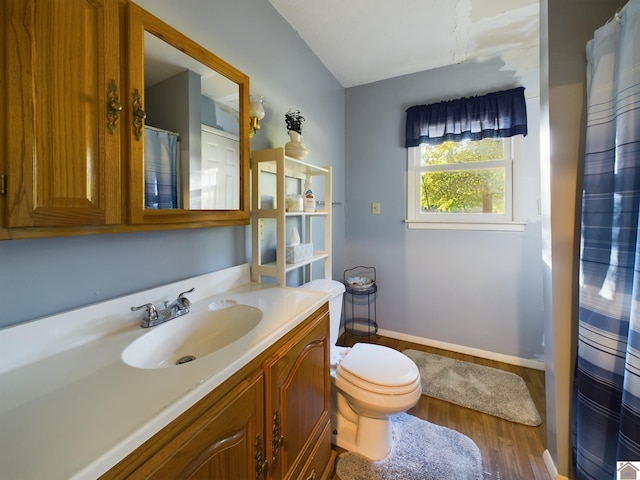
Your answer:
<point x="456" y="182"/>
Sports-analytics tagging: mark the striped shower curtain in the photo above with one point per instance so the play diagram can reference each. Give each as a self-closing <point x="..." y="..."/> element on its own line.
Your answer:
<point x="606" y="417"/>
<point x="160" y="168"/>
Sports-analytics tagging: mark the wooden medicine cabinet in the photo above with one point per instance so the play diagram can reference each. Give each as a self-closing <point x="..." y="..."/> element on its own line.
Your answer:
<point x="89" y="86"/>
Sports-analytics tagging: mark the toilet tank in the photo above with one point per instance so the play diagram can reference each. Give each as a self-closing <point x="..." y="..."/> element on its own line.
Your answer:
<point x="335" y="290"/>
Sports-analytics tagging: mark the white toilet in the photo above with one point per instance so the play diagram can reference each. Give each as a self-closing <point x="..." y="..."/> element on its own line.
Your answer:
<point x="369" y="383"/>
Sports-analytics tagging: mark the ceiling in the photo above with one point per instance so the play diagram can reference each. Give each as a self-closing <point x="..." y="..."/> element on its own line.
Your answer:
<point x="363" y="41"/>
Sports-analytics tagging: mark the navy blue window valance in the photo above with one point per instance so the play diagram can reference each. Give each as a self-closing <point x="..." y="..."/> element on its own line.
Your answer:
<point x="495" y="115"/>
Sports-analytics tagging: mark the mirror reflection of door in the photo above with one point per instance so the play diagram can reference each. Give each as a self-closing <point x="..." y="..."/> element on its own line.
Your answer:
<point x="220" y="171"/>
<point x="187" y="98"/>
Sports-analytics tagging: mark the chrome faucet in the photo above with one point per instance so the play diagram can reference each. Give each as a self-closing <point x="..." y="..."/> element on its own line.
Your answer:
<point x="180" y="306"/>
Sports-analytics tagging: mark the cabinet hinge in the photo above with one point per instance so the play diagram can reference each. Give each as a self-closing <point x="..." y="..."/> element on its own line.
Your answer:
<point x="3" y="184"/>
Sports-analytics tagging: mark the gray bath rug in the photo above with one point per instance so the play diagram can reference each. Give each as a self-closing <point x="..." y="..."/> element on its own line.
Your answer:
<point x="421" y="451"/>
<point x="489" y="390"/>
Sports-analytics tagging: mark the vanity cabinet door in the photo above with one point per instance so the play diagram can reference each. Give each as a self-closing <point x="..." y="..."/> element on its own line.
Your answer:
<point x="222" y="443"/>
<point x="61" y="59"/>
<point x="297" y="400"/>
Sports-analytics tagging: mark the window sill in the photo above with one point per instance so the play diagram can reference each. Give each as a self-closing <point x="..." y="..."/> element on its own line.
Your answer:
<point x="496" y="227"/>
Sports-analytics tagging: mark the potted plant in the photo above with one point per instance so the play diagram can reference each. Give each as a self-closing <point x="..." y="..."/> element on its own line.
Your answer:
<point x="294" y="120"/>
<point x="295" y="146"/>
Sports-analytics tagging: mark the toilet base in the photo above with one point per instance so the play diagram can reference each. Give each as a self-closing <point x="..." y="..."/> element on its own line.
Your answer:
<point x="370" y="437"/>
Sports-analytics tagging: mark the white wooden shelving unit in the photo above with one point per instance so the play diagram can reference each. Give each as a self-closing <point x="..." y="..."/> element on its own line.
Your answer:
<point x="274" y="161"/>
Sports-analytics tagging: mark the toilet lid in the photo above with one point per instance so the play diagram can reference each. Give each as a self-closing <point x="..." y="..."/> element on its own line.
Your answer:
<point x="378" y="366"/>
<point x="344" y="378"/>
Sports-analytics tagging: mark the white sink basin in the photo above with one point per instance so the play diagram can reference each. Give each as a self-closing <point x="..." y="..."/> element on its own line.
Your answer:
<point x="190" y="337"/>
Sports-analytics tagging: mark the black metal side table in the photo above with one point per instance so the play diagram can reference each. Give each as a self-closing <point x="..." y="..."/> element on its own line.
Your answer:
<point x="359" y="303"/>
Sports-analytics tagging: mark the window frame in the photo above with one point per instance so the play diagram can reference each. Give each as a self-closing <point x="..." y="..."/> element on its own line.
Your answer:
<point x="508" y="221"/>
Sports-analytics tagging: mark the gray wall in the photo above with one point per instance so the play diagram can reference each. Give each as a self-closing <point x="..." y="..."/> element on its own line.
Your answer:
<point x="44" y="276"/>
<point x="476" y="289"/>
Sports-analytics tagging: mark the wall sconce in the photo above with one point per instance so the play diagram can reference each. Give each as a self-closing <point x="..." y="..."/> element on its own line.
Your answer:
<point x="256" y="113"/>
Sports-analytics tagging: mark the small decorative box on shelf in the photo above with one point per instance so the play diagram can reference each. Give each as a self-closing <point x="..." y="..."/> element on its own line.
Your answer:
<point x="299" y="253"/>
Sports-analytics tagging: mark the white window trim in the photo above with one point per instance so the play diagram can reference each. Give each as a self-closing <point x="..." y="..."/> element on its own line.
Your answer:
<point x="509" y="221"/>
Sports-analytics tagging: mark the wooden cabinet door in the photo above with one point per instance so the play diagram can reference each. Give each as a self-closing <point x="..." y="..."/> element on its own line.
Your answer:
<point x="221" y="444"/>
<point x="63" y="159"/>
<point x="183" y="118"/>
<point x="297" y="398"/>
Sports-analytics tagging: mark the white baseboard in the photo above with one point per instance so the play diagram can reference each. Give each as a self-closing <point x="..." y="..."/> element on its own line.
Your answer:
<point x="522" y="362"/>
<point x="551" y="467"/>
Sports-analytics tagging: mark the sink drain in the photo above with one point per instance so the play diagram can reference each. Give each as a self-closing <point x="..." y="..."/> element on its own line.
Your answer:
<point x="185" y="359"/>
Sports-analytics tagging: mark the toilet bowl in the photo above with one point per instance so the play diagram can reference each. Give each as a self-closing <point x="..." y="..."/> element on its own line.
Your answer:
<point x="369" y="383"/>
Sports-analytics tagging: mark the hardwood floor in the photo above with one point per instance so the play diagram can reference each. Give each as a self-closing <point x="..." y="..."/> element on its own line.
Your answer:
<point x="510" y="451"/>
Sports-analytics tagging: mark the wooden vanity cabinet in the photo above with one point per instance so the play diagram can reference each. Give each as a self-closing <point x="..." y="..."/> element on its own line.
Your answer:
<point x="222" y="443"/>
<point x="232" y="433"/>
<point x="297" y="403"/>
<point x="62" y="158"/>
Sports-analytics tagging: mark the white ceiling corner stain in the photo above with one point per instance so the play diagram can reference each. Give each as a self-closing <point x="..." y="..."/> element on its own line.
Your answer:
<point x="517" y="28"/>
<point x="462" y="28"/>
<point x="363" y="41"/>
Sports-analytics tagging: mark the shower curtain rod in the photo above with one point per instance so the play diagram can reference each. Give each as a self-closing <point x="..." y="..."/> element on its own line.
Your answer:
<point x="161" y="130"/>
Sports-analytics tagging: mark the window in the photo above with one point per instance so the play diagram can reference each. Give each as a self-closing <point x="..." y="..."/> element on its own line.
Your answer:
<point x="463" y="184"/>
<point x="462" y="161"/>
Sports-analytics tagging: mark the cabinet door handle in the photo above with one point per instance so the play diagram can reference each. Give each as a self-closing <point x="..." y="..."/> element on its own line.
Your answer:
<point x="261" y="463"/>
<point x="312" y="475"/>
<point x="114" y="107"/>
<point x="277" y="440"/>
<point x="138" y="114"/>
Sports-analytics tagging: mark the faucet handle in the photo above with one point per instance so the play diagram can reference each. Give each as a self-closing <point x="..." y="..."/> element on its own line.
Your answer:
<point x="151" y="314"/>
<point x="186" y="303"/>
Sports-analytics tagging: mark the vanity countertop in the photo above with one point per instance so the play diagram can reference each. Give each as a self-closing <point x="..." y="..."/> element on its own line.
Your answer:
<point x="70" y="408"/>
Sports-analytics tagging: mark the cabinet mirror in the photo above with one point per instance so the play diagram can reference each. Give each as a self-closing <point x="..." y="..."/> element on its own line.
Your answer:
<point x="189" y="136"/>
